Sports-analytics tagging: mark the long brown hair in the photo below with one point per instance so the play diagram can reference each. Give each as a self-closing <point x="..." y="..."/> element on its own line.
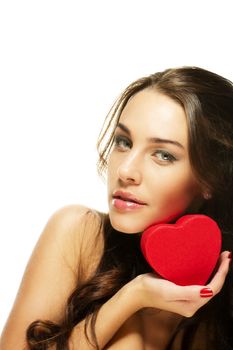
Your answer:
<point x="207" y="99"/>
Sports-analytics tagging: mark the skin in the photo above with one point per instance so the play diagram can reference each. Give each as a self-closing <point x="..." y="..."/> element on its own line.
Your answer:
<point x="167" y="188"/>
<point x="147" y="169"/>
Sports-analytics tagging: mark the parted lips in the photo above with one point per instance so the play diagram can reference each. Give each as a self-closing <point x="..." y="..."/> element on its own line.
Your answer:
<point x="186" y="252"/>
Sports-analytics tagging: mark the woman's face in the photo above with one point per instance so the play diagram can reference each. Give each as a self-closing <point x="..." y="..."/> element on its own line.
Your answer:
<point x="149" y="163"/>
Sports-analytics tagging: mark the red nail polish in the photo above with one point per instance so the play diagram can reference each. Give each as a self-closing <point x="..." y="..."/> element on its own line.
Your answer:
<point x="230" y="255"/>
<point x="206" y="293"/>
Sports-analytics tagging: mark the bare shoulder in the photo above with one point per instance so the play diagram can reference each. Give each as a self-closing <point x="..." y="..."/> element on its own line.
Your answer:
<point x="66" y="254"/>
<point x="71" y="216"/>
<point x="78" y="230"/>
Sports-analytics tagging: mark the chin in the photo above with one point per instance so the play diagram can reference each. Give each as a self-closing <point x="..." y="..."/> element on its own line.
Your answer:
<point x="127" y="226"/>
<point x="131" y="225"/>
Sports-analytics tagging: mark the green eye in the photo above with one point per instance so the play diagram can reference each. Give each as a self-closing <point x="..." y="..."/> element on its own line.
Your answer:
<point x="121" y="142"/>
<point x="165" y="156"/>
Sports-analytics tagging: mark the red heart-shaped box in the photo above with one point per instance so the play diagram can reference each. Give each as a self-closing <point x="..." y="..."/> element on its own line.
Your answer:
<point x="186" y="252"/>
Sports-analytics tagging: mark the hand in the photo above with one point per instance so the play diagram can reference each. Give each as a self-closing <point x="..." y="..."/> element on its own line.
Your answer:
<point x="153" y="291"/>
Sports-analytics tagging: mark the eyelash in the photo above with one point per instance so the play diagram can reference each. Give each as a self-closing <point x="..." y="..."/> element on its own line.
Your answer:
<point x="118" y="140"/>
<point x="171" y="158"/>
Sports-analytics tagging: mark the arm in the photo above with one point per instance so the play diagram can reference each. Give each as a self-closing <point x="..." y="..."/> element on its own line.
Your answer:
<point x="112" y="315"/>
<point x="147" y="290"/>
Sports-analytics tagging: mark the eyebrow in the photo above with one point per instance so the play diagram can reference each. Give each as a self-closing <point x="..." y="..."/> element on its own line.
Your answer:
<point x="151" y="139"/>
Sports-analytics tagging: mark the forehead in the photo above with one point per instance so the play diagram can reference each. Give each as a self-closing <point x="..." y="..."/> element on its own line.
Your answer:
<point x="150" y="113"/>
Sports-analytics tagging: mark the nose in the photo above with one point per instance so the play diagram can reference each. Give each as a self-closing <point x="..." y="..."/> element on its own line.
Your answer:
<point x="129" y="170"/>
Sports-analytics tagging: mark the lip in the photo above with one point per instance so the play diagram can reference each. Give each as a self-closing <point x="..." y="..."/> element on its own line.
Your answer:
<point x="124" y="196"/>
<point x="123" y="205"/>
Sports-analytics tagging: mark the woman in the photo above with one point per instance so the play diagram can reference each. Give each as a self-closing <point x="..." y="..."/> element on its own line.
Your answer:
<point x="168" y="146"/>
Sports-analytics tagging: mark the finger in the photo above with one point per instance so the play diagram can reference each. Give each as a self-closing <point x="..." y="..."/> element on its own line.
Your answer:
<point x="220" y="276"/>
<point x="188" y="293"/>
<point x="185" y="293"/>
<point x="222" y="256"/>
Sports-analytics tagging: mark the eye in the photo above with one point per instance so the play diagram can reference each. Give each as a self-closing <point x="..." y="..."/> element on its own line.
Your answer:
<point x="164" y="156"/>
<point x="121" y="142"/>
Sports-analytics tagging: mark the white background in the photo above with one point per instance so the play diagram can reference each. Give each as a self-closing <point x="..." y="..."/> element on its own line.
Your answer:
<point x="62" y="65"/>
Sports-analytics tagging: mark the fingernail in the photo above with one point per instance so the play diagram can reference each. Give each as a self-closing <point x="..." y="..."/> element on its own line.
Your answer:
<point x="206" y="292"/>
<point x="230" y="255"/>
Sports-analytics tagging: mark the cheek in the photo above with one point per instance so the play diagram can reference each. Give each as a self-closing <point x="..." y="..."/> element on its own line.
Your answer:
<point x="183" y="195"/>
<point x="111" y="171"/>
<point x="176" y="191"/>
